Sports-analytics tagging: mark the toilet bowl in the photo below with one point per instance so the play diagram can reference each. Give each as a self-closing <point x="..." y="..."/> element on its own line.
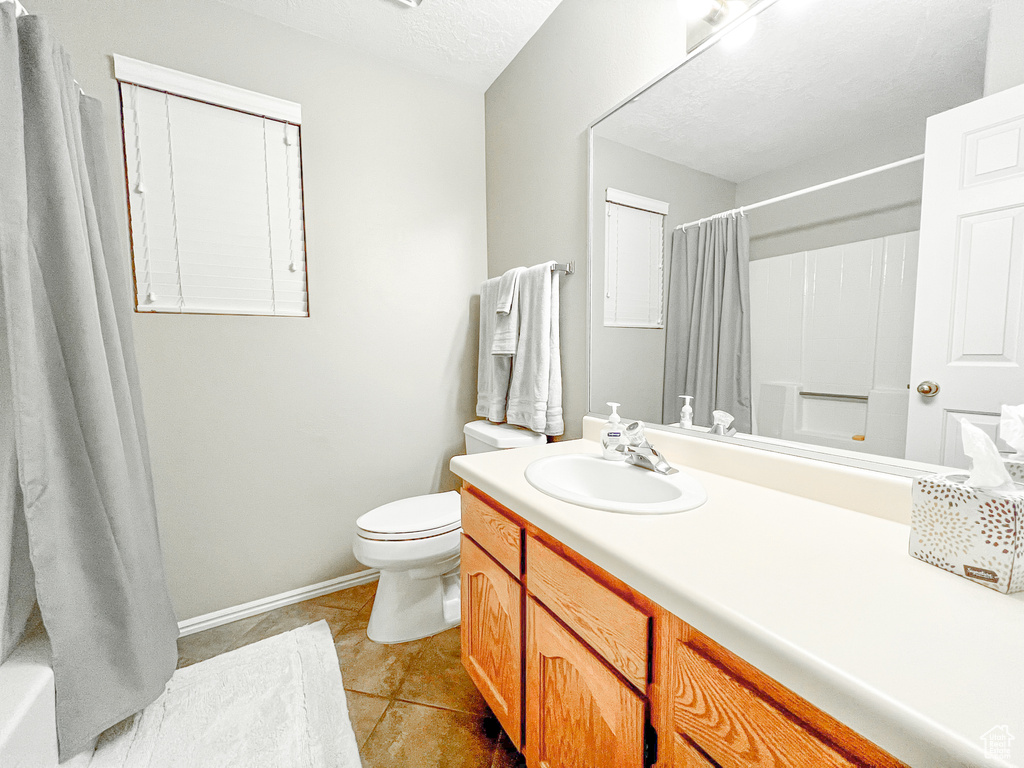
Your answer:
<point x="414" y="542"/>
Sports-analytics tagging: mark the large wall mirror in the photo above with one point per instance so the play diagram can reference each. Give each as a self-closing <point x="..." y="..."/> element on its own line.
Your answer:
<point x="858" y="305"/>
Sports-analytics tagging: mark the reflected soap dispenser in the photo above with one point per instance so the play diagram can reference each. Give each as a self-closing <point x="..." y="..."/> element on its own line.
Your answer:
<point x="686" y="412"/>
<point x="612" y="436"/>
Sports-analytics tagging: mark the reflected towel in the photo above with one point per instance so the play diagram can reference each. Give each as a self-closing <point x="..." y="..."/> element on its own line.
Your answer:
<point x="492" y="370"/>
<point x="535" y="391"/>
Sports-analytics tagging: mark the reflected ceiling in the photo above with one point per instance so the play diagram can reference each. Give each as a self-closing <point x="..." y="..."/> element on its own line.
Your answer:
<point x="863" y="84"/>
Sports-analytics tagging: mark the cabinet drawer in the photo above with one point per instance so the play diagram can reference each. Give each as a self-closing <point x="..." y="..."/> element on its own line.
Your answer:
<point x="607" y="622"/>
<point x="496" y="534"/>
<point x="735" y="726"/>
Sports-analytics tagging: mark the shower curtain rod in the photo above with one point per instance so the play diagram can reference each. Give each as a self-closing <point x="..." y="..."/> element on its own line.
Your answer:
<point x="816" y="188"/>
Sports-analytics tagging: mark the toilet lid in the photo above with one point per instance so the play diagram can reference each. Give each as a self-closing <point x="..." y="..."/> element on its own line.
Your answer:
<point x="418" y="517"/>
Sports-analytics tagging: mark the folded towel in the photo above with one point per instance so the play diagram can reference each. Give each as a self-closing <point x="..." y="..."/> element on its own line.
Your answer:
<point x="492" y="370"/>
<point x="535" y="391"/>
<point x="506" y="325"/>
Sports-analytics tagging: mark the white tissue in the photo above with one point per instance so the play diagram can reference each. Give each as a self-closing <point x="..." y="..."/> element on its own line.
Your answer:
<point x="1011" y="429"/>
<point x="987" y="468"/>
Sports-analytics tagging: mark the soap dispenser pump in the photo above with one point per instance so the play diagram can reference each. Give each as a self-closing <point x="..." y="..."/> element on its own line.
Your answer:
<point x="612" y="436"/>
<point x="686" y="412"/>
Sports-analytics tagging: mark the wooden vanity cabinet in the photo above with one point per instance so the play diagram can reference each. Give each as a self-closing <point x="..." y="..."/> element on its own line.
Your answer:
<point x="584" y="672"/>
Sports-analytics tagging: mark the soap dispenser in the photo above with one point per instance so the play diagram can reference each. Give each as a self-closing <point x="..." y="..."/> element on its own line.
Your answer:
<point x="612" y="436"/>
<point x="686" y="412"/>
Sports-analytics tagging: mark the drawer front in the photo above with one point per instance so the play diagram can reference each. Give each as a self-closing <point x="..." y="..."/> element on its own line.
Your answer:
<point x="608" y="624"/>
<point x="492" y="626"/>
<point x="499" y="536"/>
<point x="734" y="726"/>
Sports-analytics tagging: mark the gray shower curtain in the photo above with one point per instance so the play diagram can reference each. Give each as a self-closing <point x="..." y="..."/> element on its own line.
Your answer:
<point x="83" y="462"/>
<point x="707" y="339"/>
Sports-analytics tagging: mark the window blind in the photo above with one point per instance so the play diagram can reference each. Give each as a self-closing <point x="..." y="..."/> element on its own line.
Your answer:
<point x="215" y="204"/>
<point x="634" y="267"/>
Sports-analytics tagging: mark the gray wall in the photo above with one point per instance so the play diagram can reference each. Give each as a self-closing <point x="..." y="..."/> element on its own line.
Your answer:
<point x="1004" y="67"/>
<point x="875" y="206"/>
<point x="271" y="435"/>
<point x="588" y="55"/>
<point x="628" y="364"/>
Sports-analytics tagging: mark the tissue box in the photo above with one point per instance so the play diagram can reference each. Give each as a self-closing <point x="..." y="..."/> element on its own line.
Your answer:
<point x="1016" y="470"/>
<point x="972" y="532"/>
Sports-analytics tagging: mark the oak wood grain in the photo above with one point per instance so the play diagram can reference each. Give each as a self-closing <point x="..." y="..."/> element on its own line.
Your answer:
<point x="486" y="522"/>
<point x="608" y="623"/>
<point x="580" y="714"/>
<point x="853" y="747"/>
<point x="492" y="636"/>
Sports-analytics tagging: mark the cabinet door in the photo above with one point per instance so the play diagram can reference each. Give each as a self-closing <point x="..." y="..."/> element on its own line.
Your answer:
<point x="492" y="636"/>
<point x="580" y="714"/>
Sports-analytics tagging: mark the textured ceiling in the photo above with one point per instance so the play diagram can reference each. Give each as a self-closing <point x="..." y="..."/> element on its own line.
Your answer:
<point x="465" y="41"/>
<point x="816" y="76"/>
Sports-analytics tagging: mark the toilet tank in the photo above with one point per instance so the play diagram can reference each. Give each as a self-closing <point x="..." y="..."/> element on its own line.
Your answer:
<point x="484" y="436"/>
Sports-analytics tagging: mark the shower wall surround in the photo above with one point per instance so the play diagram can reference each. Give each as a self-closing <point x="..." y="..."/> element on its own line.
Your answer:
<point x="835" y="320"/>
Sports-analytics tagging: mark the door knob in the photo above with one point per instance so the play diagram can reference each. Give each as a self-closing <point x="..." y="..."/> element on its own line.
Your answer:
<point x="928" y="388"/>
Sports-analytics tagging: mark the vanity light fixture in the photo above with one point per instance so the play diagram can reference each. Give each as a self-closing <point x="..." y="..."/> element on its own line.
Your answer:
<point x="410" y="3"/>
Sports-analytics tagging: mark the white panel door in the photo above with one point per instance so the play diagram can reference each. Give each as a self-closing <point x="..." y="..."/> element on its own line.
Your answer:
<point x="968" y="335"/>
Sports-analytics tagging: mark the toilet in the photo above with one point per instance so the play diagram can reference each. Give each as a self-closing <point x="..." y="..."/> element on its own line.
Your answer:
<point x="414" y="543"/>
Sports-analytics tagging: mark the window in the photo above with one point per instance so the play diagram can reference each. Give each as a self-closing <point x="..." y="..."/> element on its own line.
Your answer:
<point x="634" y="261"/>
<point x="214" y="195"/>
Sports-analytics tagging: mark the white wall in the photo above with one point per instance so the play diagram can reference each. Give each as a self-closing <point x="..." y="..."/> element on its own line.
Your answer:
<point x="1004" y="66"/>
<point x="628" y="364"/>
<point x="271" y="435"/>
<point x="588" y="55"/>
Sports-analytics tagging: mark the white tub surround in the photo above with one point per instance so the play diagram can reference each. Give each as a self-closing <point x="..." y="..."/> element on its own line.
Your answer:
<point x="801" y="568"/>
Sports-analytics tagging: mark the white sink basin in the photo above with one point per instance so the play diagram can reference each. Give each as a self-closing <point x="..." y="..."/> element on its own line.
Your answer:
<point x="614" y="486"/>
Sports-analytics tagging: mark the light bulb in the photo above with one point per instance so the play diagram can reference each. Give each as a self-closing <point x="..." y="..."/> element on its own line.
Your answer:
<point x="740" y="35"/>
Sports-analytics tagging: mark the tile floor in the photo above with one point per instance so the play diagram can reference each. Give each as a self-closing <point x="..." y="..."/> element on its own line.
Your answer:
<point x="411" y="705"/>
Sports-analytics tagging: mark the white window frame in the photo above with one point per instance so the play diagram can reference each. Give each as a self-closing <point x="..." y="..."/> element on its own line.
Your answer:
<point x="285" y="116"/>
<point x="652" y="263"/>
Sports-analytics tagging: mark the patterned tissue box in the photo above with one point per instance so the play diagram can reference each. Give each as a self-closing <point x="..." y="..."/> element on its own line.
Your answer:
<point x="1016" y="470"/>
<point x="972" y="532"/>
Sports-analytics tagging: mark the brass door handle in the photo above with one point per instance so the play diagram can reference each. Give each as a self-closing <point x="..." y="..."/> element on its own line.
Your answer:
<point x="928" y="388"/>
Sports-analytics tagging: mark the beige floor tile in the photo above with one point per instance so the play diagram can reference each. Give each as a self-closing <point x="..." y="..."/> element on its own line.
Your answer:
<point x="205" y="645"/>
<point x="438" y="678"/>
<point x="416" y="736"/>
<point x="365" y="712"/>
<point x="370" y="667"/>
<point x="292" y="617"/>
<point x="351" y="599"/>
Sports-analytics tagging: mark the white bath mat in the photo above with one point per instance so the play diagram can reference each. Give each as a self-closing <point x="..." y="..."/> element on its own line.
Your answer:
<point x="277" y="703"/>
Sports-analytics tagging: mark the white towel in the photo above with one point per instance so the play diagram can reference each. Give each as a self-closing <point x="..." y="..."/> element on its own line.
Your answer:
<point x="492" y="370"/>
<point x="535" y="391"/>
<point x="506" y="325"/>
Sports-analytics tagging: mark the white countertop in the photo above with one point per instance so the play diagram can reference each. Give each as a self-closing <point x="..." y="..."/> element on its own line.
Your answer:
<point x="824" y="599"/>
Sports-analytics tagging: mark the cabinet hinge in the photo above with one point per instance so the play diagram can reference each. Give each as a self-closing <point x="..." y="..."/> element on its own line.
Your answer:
<point x="650" y="745"/>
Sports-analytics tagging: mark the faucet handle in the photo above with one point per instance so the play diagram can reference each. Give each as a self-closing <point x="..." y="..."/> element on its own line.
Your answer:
<point x="634" y="433"/>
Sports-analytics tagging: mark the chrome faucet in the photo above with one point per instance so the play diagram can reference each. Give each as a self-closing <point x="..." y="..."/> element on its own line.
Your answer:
<point x="640" y="453"/>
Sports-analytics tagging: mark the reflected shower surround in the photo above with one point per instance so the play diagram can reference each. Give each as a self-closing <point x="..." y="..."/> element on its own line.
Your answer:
<point x="83" y="460"/>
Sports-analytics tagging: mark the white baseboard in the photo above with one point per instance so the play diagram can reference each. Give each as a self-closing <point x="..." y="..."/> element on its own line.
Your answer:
<point x="244" y="611"/>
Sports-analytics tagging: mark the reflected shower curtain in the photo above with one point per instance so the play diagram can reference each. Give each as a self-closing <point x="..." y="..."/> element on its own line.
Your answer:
<point x="707" y="340"/>
<point x="83" y="462"/>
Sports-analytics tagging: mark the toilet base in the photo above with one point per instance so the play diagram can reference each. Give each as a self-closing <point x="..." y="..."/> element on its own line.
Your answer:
<point x="407" y="608"/>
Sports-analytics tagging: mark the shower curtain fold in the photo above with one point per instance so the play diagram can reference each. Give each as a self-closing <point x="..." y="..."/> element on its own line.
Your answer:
<point x="81" y="448"/>
<point x="707" y="339"/>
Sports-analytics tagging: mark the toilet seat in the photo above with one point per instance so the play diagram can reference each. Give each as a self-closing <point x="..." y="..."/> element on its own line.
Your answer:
<point x="419" y="517"/>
